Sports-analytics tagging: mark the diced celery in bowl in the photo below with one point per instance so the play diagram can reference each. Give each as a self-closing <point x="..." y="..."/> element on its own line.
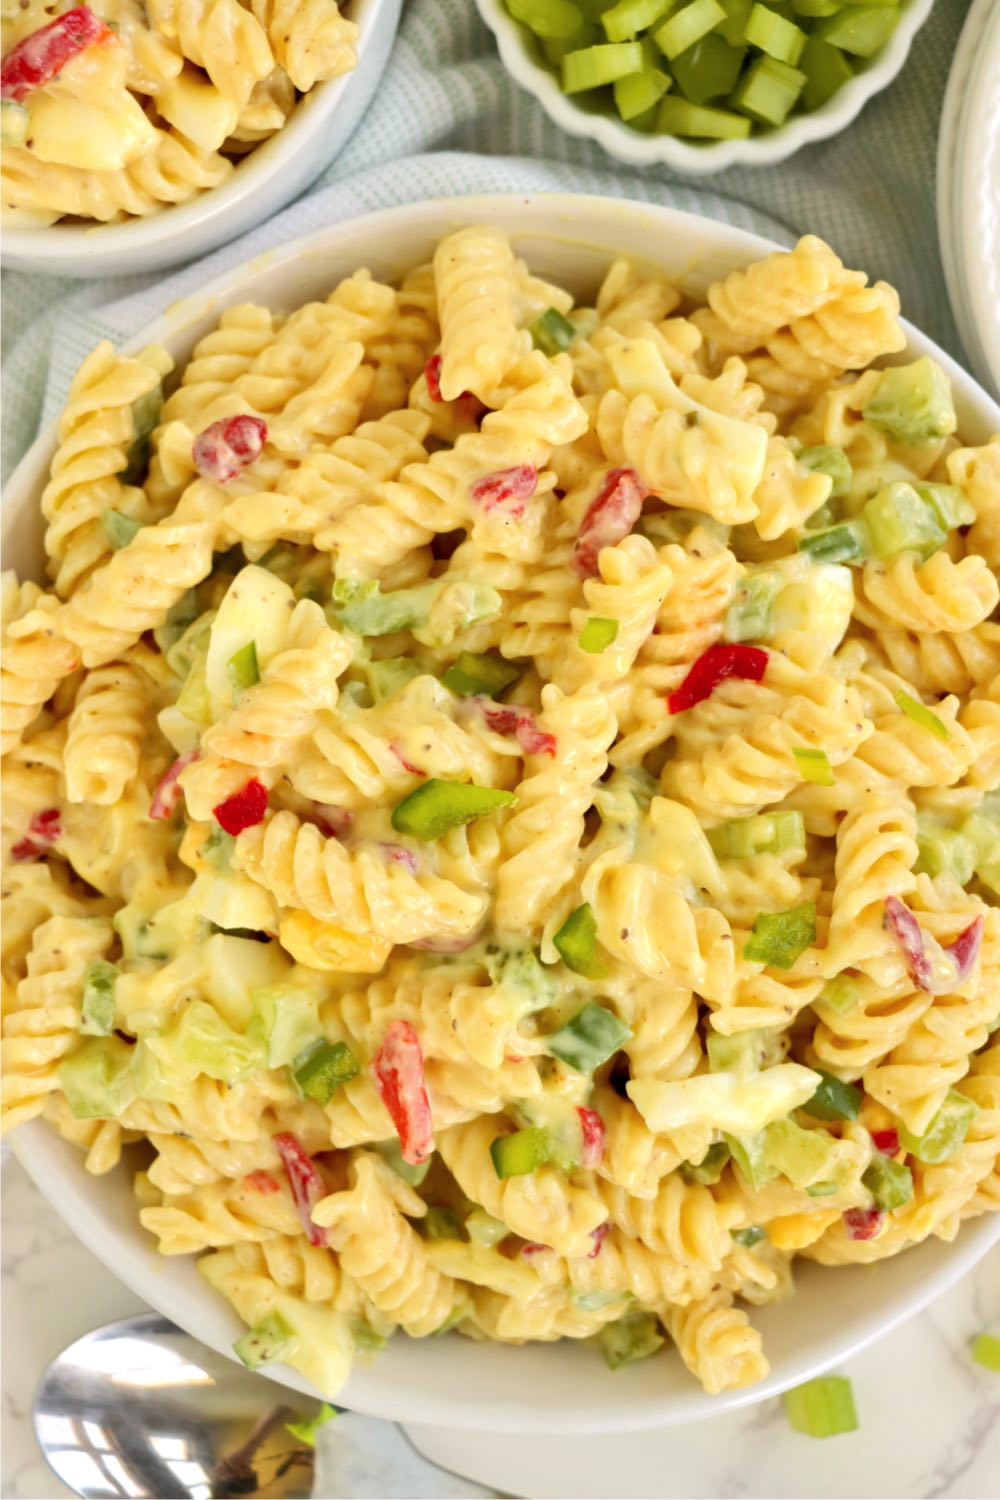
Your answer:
<point x="705" y="70"/>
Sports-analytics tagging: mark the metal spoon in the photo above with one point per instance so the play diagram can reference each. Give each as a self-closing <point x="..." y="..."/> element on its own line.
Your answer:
<point x="139" y="1408"/>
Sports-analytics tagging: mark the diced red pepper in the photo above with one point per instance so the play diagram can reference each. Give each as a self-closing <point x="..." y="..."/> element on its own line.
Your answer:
<point x="44" y="830"/>
<point x="432" y="375"/>
<point x="332" y="822"/>
<point x="406" y="765"/>
<point x="226" y="448"/>
<point x="886" y="1141"/>
<point x="534" y="1247"/>
<point x="397" y="855"/>
<point x="40" y="57"/>
<point x="261" y="1182"/>
<point x="965" y="949"/>
<point x="863" y="1223"/>
<point x="714" y="666"/>
<point x="610" y="518"/>
<point x="519" y="724"/>
<point x="594" y="1137"/>
<point x="244" y="809"/>
<point x="598" y="1235"/>
<point x="398" y="1071"/>
<point x="510" y="489"/>
<point x="305" y="1182"/>
<point x="168" y="792"/>
<point x="908" y="933"/>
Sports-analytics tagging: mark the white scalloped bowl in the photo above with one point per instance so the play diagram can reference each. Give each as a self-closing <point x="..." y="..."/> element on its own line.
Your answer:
<point x="522" y="60"/>
<point x="453" y="1382"/>
<point x="266" y="179"/>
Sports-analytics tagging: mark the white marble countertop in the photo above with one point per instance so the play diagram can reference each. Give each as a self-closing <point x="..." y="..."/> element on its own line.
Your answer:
<point x="930" y="1417"/>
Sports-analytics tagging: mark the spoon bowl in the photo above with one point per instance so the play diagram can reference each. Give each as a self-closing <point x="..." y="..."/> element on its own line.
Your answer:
<point x="140" y="1408"/>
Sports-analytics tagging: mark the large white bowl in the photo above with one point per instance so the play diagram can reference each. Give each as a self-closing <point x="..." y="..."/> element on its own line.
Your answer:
<point x="542" y="1389"/>
<point x="523" y="60"/>
<point x="268" y="177"/>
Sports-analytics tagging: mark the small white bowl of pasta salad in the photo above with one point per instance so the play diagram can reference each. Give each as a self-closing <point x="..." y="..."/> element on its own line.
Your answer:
<point x="500" y="792"/>
<point x="141" y="133"/>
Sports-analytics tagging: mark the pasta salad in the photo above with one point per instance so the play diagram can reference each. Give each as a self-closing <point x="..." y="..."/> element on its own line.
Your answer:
<point x="501" y="804"/>
<point x="119" y="108"/>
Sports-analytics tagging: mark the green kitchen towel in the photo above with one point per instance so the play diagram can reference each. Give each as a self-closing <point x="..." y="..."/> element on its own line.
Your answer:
<point x="444" y="96"/>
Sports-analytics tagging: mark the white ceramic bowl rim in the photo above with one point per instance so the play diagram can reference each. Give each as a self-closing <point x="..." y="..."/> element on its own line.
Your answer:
<point x="179" y="232"/>
<point x="547" y="1389"/>
<point x="761" y="150"/>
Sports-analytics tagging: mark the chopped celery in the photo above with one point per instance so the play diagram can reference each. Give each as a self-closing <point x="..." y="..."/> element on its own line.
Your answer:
<point x="985" y="1350"/>
<point x="198" y="1040"/>
<point x="768" y="91"/>
<point x="472" y="675"/>
<point x="844" y="543"/>
<point x="597" y="635"/>
<point x="982" y="829"/>
<point x="441" y="1224"/>
<point x="520" y="1154"/>
<point x="861" y="30"/>
<point x="594" y="66"/>
<point x="390" y="1153"/>
<point x="803" y="1156"/>
<point x="269" y="1340"/>
<point x="305" y="1431"/>
<point x="747" y="1152"/>
<point x="943" y="851"/>
<point x="822" y="1408"/>
<point x="945" y="1133"/>
<point x="520" y="973"/>
<point x="814" y="766"/>
<point x="145" y="415"/>
<point x="687" y="25"/>
<point x="322" y="1067"/>
<point x="390" y="675"/>
<point x="750" y="615"/>
<point x="948" y="503"/>
<point x="119" y="529"/>
<point x="576" y="942"/>
<point x="483" y="1229"/>
<point x="826" y="69"/>
<point x="551" y="332"/>
<point x="679" y="117"/>
<point x="779" y="937"/>
<point x="589" y="1038"/>
<point x="816" y="8"/>
<point x="752" y="1235"/>
<point x="772" y="34"/>
<point x="546" y="18"/>
<point x="898" y="521"/>
<point x="556" y="48"/>
<point x="97" y="1079"/>
<point x="822" y="1189"/>
<point x="834" y="1100"/>
<point x="889" y="1182"/>
<point x="636" y="95"/>
<point x="243" y="669"/>
<point x="636" y="1336"/>
<point x="284" y="1019"/>
<point x="921" y="714"/>
<point x="97" y="1010"/>
<point x="826" y="459"/>
<point x="911" y="402"/>
<point x="732" y="28"/>
<point x="629" y="17"/>
<point x="710" y="1168"/>
<point x="217" y="850"/>
<point x="709" y="69"/>
<point x="765" y="833"/>
<point x="744" y="1053"/>
<point x="841" y="994"/>
<point x="434" y="808"/>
